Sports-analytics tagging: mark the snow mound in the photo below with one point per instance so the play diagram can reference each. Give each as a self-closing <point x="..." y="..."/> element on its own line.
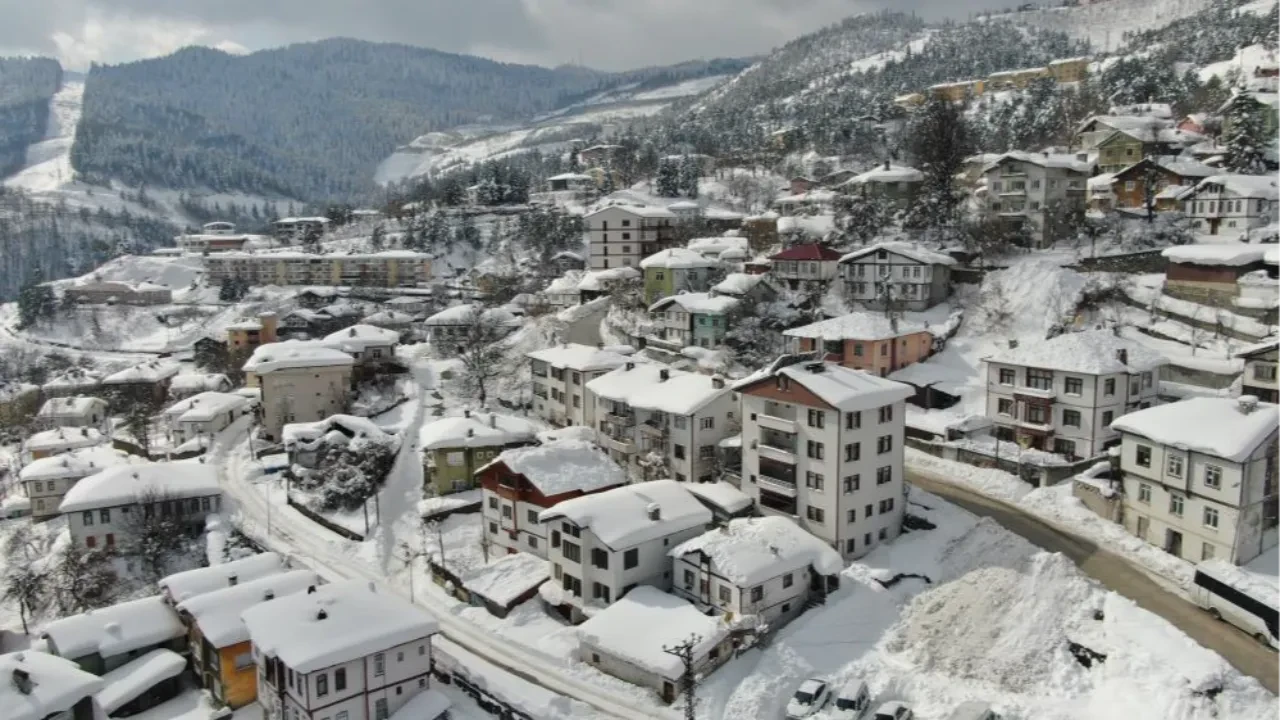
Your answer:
<point x="985" y="545"/>
<point x="1036" y="293"/>
<point x="999" y="626"/>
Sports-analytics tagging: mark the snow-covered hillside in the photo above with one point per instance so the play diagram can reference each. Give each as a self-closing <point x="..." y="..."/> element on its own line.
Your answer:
<point x="1104" y="24"/>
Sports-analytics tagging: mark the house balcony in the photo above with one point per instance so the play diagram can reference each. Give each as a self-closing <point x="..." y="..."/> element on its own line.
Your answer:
<point x="1014" y="192"/>
<point x="1037" y="396"/>
<point x="653" y="428"/>
<point x="620" y="444"/>
<point x="620" y="419"/>
<point x="776" y="453"/>
<point x="778" y="485"/>
<point x="777" y="422"/>
<point x="1034" y="427"/>
<point x="771" y="503"/>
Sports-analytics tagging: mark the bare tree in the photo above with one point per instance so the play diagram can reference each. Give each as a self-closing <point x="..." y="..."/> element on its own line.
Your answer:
<point x="82" y="579"/>
<point x="24" y="579"/>
<point x="481" y="353"/>
<point x="152" y="530"/>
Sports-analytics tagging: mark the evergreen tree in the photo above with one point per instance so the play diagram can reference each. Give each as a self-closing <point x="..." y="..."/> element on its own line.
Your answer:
<point x="939" y="142"/>
<point x="667" y="184"/>
<point x="466" y="232"/>
<point x="859" y="219"/>
<point x="36" y="301"/>
<point x="1245" y="136"/>
<point x="377" y="239"/>
<point x="435" y="232"/>
<point x="690" y="171"/>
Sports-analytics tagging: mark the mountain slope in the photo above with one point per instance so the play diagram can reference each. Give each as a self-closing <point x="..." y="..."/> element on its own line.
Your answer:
<point x="26" y="84"/>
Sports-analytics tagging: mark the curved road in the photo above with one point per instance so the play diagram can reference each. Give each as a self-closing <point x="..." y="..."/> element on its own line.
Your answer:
<point x="1115" y="573"/>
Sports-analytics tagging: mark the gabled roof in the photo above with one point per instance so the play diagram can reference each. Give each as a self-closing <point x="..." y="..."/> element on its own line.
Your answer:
<point x="358" y="338"/>
<point x="677" y="259"/>
<point x="1045" y="160"/>
<point x="148" y="372"/>
<point x="1258" y="349"/>
<point x="1093" y="352"/>
<point x="633" y="514"/>
<point x="217" y="613"/>
<point x="1247" y="186"/>
<point x="576" y="356"/>
<point x="115" y="629"/>
<point x="78" y="463"/>
<point x="475" y="430"/>
<point x="857" y="326"/>
<point x="651" y="386"/>
<point x="205" y="406"/>
<point x="1210" y="425"/>
<point x="190" y="583"/>
<point x="638" y="626"/>
<point x="79" y="405"/>
<point x="749" y="551"/>
<point x="809" y="251"/>
<point x="562" y="466"/>
<point x="1175" y="164"/>
<point x="127" y="682"/>
<point x="1233" y="255"/>
<point x="57" y="684"/>
<point x="64" y="438"/>
<point x="907" y="250"/>
<point x="125" y="484"/>
<point x="840" y="387"/>
<point x="295" y="354"/>
<point x="698" y="303"/>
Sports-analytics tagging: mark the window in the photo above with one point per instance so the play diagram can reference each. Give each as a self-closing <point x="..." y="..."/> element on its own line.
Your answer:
<point x="1040" y="379"/>
<point x="493" y="503"/>
<point x="1146" y="379"/>
<point x="600" y="592"/>
<point x="1006" y="376"/>
<point x="111" y="539"/>
<point x="1109" y="386"/>
<point x="322" y="685"/>
<point x="788" y="580"/>
<point x="852" y="483"/>
<point x="1211" y="517"/>
<point x="886" y="506"/>
<point x="531" y="516"/>
<point x="555" y="538"/>
<point x="1130" y="185"/>
<point x="688" y="579"/>
<point x="814" y="513"/>
<point x="1175" y="505"/>
<point x="1107" y="417"/>
<point x="422" y="650"/>
<point x="571" y="551"/>
<point x="681" y="422"/>
<point x="1142" y="456"/>
<point x="884" y="475"/>
<point x="884" y="533"/>
<point x="86" y="518"/>
<point x="817" y="419"/>
<point x="852" y="420"/>
<point x="91" y="541"/>
<point x="678" y="451"/>
<point x="1071" y="418"/>
<point x="1074" y="386"/>
<point x="506" y="511"/>
<point x="379" y="664"/>
<point x="884" y="444"/>
<point x="757" y="594"/>
<point x="493" y="528"/>
<point x="813" y="480"/>
<point x="340" y="679"/>
<point x="886" y="414"/>
<point x="1144" y="493"/>
<point x="869" y="511"/>
<point x="1213" y="476"/>
<point x="600" y="558"/>
<point x="707" y="423"/>
<point x="852" y="452"/>
<point x="533" y="541"/>
<point x="1206" y="552"/>
<point x="1004" y="406"/>
<point x="1174" y="466"/>
<point x="1264" y="372"/>
<point x="706" y="452"/>
<point x="851" y="516"/>
<point x="815" y="450"/>
<point x="726" y="595"/>
<point x="380" y="709"/>
<point x="630" y="559"/>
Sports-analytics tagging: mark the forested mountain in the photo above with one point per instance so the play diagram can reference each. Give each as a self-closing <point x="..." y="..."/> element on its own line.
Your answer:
<point x="308" y="121"/>
<point x="26" y="84"/>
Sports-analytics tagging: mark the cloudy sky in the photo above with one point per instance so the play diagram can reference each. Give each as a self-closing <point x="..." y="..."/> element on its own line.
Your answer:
<point x="608" y="34"/>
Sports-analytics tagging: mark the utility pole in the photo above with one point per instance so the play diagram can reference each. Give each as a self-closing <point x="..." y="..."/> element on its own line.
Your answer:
<point x="689" y="681"/>
<point x="407" y="555"/>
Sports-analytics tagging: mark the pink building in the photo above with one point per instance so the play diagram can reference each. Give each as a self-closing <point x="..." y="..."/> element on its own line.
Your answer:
<point x="865" y="341"/>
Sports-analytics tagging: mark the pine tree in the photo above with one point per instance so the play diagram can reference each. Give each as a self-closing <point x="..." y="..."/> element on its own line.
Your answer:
<point x="1245" y="136"/>
<point x="377" y="239"/>
<point x="690" y="171"/>
<point x="667" y="184"/>
<point x="940" y="141"/>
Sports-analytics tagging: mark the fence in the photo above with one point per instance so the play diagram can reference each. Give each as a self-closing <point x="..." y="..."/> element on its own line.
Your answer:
<point x="325" y="522"/>
<point x="1038" y="475"/>
<point x="1141" y="261"/>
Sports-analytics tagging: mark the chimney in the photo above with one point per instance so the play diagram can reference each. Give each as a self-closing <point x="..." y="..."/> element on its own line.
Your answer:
<point x="471" y="432"/>
<point x="1013" y="344"/>
<point x="466" y="413"/>
<point x="1247" y="404"/>
<point x="1123" y="356"/>
<point x="321" y="614"/>
<point x="311" y="589"/>
<point x="631" y="366"/>
<point x="815" y="367"/>
<point x="22" y="678"/>
<point x="886" y="164"/>
<point x="717" y="382"/>
<point x="654" y="512"/>
<point x="599" y="346"/>
<point x="664" y="375"/>
<point x="232" y="580"/>
<point x="269" y="595"/>
<point x="493" y="420"/>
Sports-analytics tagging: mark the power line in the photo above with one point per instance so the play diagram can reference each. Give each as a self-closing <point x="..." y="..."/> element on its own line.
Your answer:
<point x="688" y="681"/>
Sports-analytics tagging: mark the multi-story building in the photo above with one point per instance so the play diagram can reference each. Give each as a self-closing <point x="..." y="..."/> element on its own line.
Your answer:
<point x="1154" y="137"/>
<point x="293" y="230"/>
<point x="102" y="509"/>
<point x="119" y="292"/>
<point x="48" y="443"/>
<point x="342" y="651"/>
<point x="902" y="275"/>
<point x="1259" y="378"/>
<point x="48" y="479"/>
<point x="50" y="686"/>
<point x="620" y="234"/>
<point x="108" y="638"/>
<point x="1232" y="204"/>
<point x="676" y="270"/>
<point x="1062" y="394"/>
<point x="1072" y="69"/>
<point x="187" y="584"/>
<point x="78" y="411"/>
<point x="896" y="185"/>
<point x="454" y="448"/>
<point x="391" y="268"/>
<point x="697" y="319"/>
<point x="203" y="416"/>
<point x="1035" y="191"/>
<point x="873" y="342"/>
<point x="603" y="545"/>
<point x="1212" y="273"/>
<point x="299" y="381"/>
<point x="560" y="377"/>
<point x="368" y="345"/>
<point x="822" y="444"/>
<point x="1200" y="477"/>
<point x="523" y="482"/>
<point x="146" y="383"/>
<point x="1165" y="174"/>
<point x="245" y="335"/>
<point x="805" y="267"/>
<point x="663" y="423"/>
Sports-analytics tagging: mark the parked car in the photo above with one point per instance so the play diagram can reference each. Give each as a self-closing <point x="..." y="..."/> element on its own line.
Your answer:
<point x="973" y="710"/>
<point x="852" y="702"/>
<point x="811" y="696"/>
<point x="894" y="710"/>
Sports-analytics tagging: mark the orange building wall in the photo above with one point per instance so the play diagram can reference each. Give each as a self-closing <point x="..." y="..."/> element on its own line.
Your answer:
<point x="239" y="687"/>
<point x="881" y="357"/>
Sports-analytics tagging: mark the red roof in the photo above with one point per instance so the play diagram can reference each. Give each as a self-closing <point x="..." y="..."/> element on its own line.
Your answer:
<point x="807" y="252"/>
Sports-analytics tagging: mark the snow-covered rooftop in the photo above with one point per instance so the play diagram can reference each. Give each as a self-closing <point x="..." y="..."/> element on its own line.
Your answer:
<point x="623" y="516"/>
<point x="127" y="682"/>
<point x="807" y="251"/>
<point x="465" y="314"/>
<point x="634" y="208"/>
<point x="738" y="284"/>
<point x="721" y="494"/>
<point x="1248" y="186"/>
<point x="1210" y="425"/>
<point x="294" y="354"/>
<point x="152" y="371"/>
<point x="567" y="283"/>
<point x="749" y="551"/>
<point x="358" y="338"/>
<point x="116" y="629"/>
<point x="890" y="174"/>
<point x="78" y="463"/>
<point x="572" y="432"/>
<point x="563" y="466"/>
<point x="857" y="326"/>
<point x="69" y="406"/>
<point x="1227" y="255"/>
<point x="908" y="250"/>
<point x="1047" y="160"/>
<point x="57" y="685"/>
<point x="677" y="259"/>
<point x="479" y="429"/>
<point x="1094" y="352"/>
<point x="337" y="623"/>
<point x="598" y="280"/>
<point x="715" y="245"/>
<point x="430" y="704"/>
<point x="650" y="386"/>
<point x="217" y="613"/>
<point x="843" y="388"/>
<point x="575" y="356"/>
<point x="125" y="484"/>
<point x="205" y="406"/>
<point x="509" y="577"/>
<point x="191" y="583"/>
<point x="640" y="624"/>
<point x="699" y="303"/>
<point x="63" y="438"/>
<point x="346" y="427"/>
<point x="198" y="381"/>
<point x="76" y="377"/>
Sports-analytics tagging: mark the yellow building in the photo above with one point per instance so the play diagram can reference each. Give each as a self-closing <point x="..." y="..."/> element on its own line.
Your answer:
<point x="393" y="268"/>
<point x="909" y="101"/>
<point x="1069" y="69"/>
<point x="220" y="649"/>
<point x="1016" y="78"/>
<point x="958" y="91"/>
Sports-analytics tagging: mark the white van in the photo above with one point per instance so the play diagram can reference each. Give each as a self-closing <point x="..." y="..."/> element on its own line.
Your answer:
<point x="973" y="710"/>
<point x="852" y="702"/>
<point x="894" y="711"/>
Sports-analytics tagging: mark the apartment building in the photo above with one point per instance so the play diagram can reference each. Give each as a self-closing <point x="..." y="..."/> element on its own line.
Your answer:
<point x="1167" y="177"/>
<point x="874" y="342"/>
<point x="603" y="545"/>
<point x="822" y="444"/>
<point x="805" y="267"/>
<point x="522" y="482"/>
<point x="99" y="508"/>
<point x="48" y="479"/>
<point x="896" y="185"/>
<point x="390" y="268"/>
<point x="119" y="292"/>
<point x="1260" y="364"/>
<point x="698" y="319"/>
<point x="663" y="423"/>
<point x="1032" y="190"/>
<point x="344" y="650"/>
<point x="293" y="230"/>
<point x="1232" y="204"/>
<point x="905" y="276"/>
<point x="245" y="335"/>
<point x="1200" y="477"/>
<point x="299" y="381"/>
<point x="676" y="270"/>
<point x="621" y="234"/>
<point x="560" y="377"/>
<point x="1062" y="394"/>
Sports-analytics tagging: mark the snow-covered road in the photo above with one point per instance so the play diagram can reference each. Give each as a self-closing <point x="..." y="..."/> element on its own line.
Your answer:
<point x="48" y="162"/>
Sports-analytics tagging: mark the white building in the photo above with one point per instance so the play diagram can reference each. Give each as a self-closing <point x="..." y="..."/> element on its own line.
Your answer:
<point x="300" y="382"/>
<point x="805" y="267"/>
<point x="1029" y="190"/>
<point x="620" y="234"/>
<point x="367" y="344"/>
<point x="767" y="567"/>
<point x="100" y="509"/>
<point x="78" y="411"/>
<point x="660" y="422"/>
<point x="560" y="377"/>
<point x="188" y="384"/>
<point x="59" y="440"/>
<point x="39" y="686"/>
<point x="909" y="276"/>
<point x="1200" y="477"/>
<point x="523" y="482"/>
<point x="676" y="270"/>
<point x="104" y="639"/>
<point x="204" y="415"/>
<point x="823" y="444"/>
<point x="603" y="545"/>
<point x="1261" y="363"/>
<point x="345" y="651"/>
<point x="627" y="640"/>
<point x="48" y="479"/>
<point x="1062" y="394"/>
<point x="1232" y="204"/>
<point x="192" y="583"/>
<point x="563" y="292"/>
<point x="296" y="229"/>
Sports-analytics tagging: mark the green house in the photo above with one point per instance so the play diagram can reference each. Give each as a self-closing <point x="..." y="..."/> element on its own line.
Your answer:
<point x="674" y="271"/>
<point x="454" y="448"/>
<point x="697" y="319"/>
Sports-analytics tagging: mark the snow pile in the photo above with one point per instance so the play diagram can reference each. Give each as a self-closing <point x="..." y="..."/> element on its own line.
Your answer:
<point x="348" y="430"/>
<point x="1038" y="294"/>
<point x="999" y="626"/>
<point x="114" y="630"/>
<point x="721" y="494"/>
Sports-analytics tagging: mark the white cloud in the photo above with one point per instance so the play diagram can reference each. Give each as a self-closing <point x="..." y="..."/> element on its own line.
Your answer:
<point x="104" y="37"/>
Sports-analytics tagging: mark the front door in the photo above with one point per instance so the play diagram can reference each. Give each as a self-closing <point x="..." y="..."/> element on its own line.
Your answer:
<point x="1141" y="531"/>
<point x="1173" y="542"/>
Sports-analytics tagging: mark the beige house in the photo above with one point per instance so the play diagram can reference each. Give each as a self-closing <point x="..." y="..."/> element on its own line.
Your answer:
<point x="78" y="411"/>
<point x="392" y="268"/>
<point x="120" y="292"/>
<point x="299" y="381"/>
